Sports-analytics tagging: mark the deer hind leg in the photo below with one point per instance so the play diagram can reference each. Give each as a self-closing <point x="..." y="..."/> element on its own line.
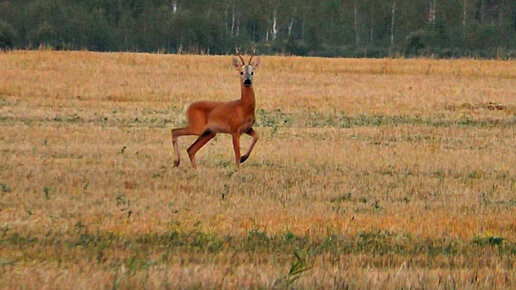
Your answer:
<point x="253" y="134"/>
<point x="176" y="133"/>
<point x="201" y="141"/>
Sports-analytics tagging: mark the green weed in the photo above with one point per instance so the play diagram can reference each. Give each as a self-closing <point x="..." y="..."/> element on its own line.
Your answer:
<point x="298" y="267"/>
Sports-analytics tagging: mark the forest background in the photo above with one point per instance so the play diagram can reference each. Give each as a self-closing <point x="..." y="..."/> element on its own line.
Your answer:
<point x="330" y="28"/>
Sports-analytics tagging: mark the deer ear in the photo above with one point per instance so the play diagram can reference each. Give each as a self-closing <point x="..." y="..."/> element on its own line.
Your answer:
<point x="256" y="63"/>
<point x="236" y="64"/>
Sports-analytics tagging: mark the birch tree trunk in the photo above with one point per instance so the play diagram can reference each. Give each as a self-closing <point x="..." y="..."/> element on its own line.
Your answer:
<point x="500" y="13"/>
<point x="357" y="32"/>
<point x="233" y="19"/>
<point x="226" y="20"/>
<point x="431" y="12"/>
<point x="274" y="24"/>
<point x="482" y="11"/>
<point x="392" y="22"/>
<point x="464" y="12"/>
<point x="290" y="25"/>
<point x="371" y="33"/>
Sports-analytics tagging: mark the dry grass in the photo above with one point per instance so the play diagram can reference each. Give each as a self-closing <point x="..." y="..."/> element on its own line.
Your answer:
<point x="380" y="173"/>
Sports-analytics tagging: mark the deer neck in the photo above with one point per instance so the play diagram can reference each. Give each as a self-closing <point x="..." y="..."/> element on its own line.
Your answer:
<point x="247" y="98"/>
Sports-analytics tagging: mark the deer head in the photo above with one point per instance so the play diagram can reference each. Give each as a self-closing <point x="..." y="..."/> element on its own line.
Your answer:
<point x="246" y="71"/>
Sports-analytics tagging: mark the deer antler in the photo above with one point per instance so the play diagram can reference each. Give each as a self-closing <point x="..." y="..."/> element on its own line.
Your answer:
<point x="238" y="53"/>
<point x="252" y="55"/>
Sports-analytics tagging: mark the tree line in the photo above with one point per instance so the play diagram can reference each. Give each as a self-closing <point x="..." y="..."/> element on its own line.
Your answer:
<point x="348" y="28"/>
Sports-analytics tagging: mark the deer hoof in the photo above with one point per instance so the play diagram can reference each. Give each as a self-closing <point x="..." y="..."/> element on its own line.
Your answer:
<point x="192" y="161"/>
<point x="176" y="163"/>
<point x="243" y="158"/>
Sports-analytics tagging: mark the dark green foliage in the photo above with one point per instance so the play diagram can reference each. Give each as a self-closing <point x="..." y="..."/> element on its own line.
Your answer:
<point x="341" y="198"/>
<point x="46" y="192"/>
<point x="4" y="187"/>
<point x="345" y="28"/>
<point x="488" y="240"/>
<point x="7" y="35"/>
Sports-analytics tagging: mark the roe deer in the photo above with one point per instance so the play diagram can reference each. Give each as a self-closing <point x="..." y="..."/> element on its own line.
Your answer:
<point x="205" y="119"/>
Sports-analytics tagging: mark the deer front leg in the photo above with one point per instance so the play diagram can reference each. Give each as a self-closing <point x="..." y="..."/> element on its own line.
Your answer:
<point x="253" y="134"/>
<point x="201" y="141"/>
<point x="236" y="147"/>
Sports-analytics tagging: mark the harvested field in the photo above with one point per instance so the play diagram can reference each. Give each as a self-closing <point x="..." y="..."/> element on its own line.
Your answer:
<point x="383" y="173"/>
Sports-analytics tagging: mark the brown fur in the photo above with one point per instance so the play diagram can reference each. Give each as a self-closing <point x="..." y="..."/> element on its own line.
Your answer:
<point x="205" y="119"/>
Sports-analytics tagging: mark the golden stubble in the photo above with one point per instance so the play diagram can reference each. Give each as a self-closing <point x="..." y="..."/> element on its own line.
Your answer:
<point x="86" y="141"/>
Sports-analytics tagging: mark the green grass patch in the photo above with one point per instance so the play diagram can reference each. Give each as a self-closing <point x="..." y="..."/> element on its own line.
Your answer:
<point x="276" y="118"/>
<point x="375" y="242"/>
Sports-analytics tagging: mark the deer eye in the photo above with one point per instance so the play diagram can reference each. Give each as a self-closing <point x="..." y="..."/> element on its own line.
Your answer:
<point x="241" y="72"/>
<point x="252" y="73"/>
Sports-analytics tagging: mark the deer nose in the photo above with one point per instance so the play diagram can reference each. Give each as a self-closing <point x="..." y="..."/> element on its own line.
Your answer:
<point x="247" y="82"/>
